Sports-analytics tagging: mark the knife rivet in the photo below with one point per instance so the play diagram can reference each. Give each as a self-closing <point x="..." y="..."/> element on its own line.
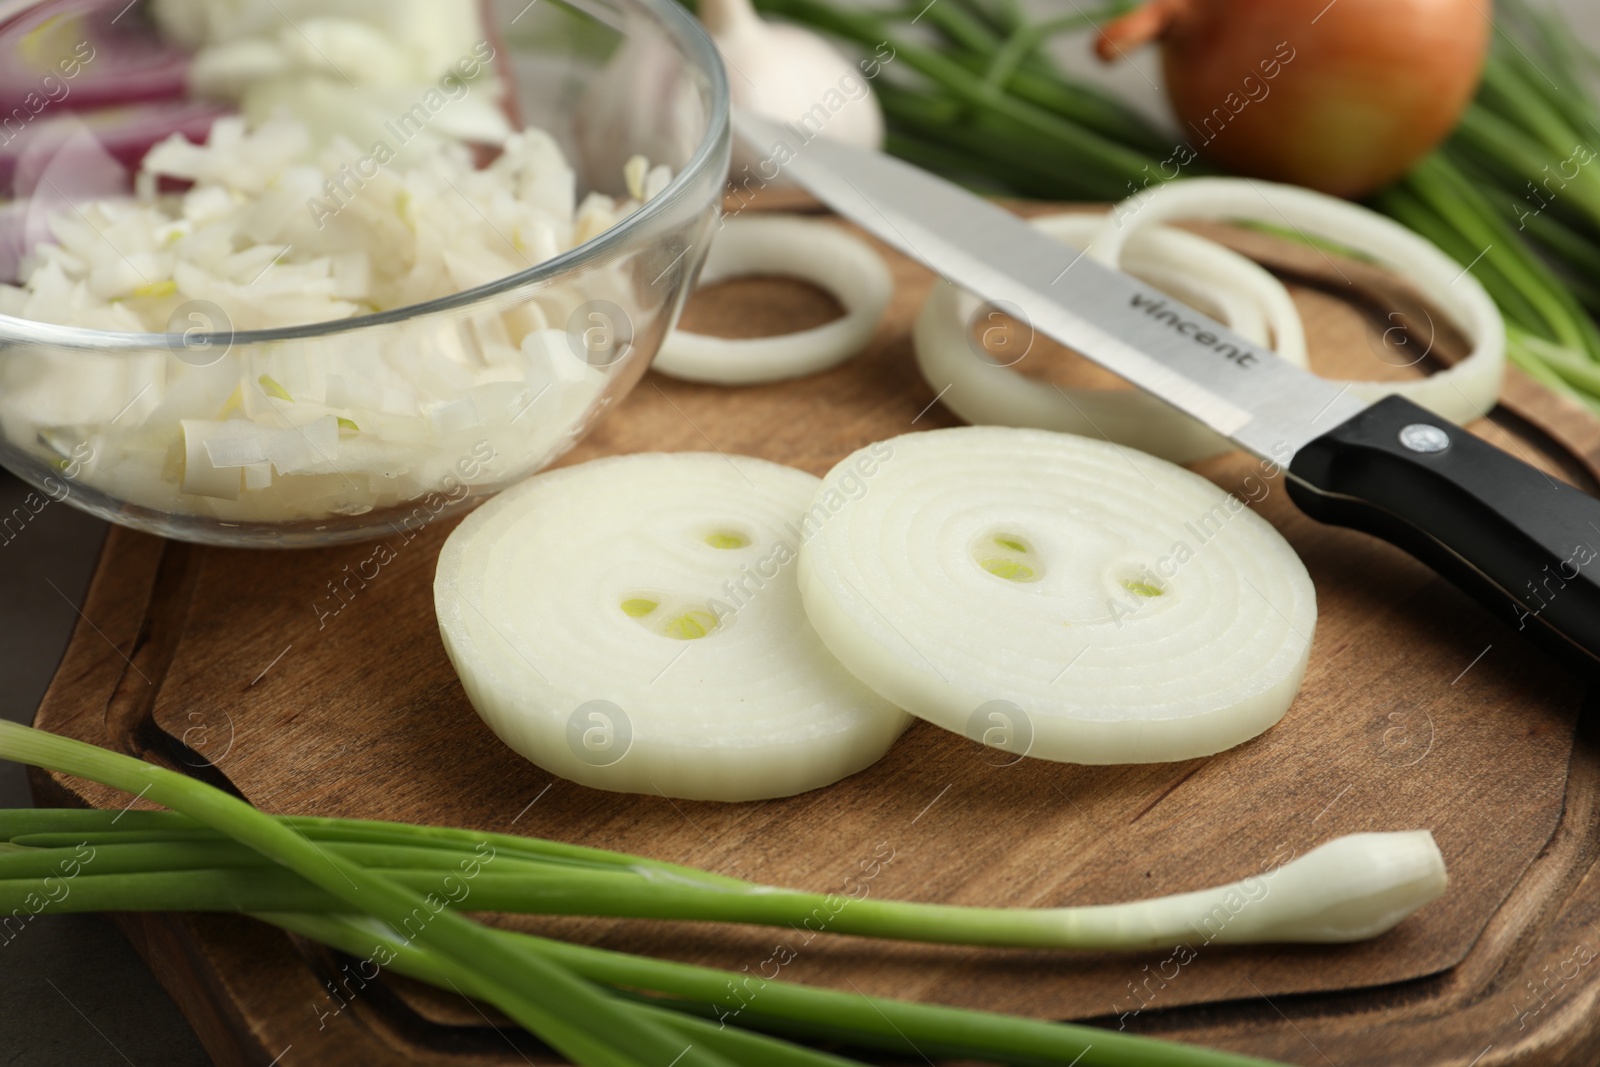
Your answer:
<point x="1420" y="437"/>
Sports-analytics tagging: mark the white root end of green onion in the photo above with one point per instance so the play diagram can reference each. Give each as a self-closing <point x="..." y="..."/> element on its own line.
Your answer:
<point x="1215" y="280"/>
<point x="806" y="249"/>
<point x="1462" y="391"/>
<point x="634" y="624"/>
<point x="1117" y="608"/>
<point x="1350" y="889"/>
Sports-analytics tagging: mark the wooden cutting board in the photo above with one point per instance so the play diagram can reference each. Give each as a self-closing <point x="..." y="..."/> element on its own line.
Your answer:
<point x="1419" y="710"/>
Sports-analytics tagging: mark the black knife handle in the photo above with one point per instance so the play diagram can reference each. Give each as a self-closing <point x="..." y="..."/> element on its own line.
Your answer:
<point x="1524" y="544"/>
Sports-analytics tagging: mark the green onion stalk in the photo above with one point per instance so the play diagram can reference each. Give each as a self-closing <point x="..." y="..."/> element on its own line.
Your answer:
<point x="786" y="1008"/>
<point x="384" y="891"/>
<point x="1526" y="155"/>
<point x="575" y="1017"/>
<point x="143" y="861"/>
<point x="1513" y="196"/>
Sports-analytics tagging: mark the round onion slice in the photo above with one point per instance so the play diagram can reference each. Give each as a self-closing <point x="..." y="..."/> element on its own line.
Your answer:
<point x="1061" y="597"/>
<point x="811" y="251"/>
<point x="1215" y="280"/>
<point x="633" y="624"/>
<point x="1461" y="392"/>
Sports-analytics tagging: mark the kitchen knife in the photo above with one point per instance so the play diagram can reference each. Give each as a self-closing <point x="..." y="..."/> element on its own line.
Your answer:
<point x="1522" y="543"/>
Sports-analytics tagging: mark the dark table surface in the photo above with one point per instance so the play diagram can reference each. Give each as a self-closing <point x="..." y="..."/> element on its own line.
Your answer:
<point x="72" y="992"/>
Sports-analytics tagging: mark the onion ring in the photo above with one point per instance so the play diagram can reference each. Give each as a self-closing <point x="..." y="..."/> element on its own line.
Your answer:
<point x="1462" y="392"/>
<point x="1202" y="273"/>
<point x="789" y="246"/>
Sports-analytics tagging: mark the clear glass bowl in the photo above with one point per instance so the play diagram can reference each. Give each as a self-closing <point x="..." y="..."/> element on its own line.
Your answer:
<point x="515" y="369"/>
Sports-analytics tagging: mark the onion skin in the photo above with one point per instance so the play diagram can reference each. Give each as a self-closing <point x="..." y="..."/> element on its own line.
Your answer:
<point x="1343" y="105"/>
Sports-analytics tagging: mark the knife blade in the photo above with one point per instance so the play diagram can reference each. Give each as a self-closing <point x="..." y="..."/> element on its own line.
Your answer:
<point x="1524" y="544"/>
<point x="1198" y="365"/>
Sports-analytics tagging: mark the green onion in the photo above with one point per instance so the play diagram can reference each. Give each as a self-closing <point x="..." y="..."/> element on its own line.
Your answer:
<point x="850" y="1018"/>
<point x="654" y="1011"/>
<point x="138" y="869"/>
<point x="368" y="939"/>
<point x="546" y="998"/>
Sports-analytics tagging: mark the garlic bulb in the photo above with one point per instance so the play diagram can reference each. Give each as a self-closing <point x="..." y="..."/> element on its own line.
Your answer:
<point x="788" y="74"/>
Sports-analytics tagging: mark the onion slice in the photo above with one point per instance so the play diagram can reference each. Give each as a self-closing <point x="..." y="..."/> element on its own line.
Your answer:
<point x="633" y="624"/>
<point x="1215" y="280"/>
<point x="812" y="251"/>
<point x="1057" y="596"/>
<point x="1461" y="392"/>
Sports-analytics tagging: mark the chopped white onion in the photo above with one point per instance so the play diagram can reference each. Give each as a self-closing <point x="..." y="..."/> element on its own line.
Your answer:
<point x="1461" y="392"/>
<point x="202" y="474"/>
<point x="336" y="426"/>
<point x="411" y="72"/>
<point x="1058" y="596"/>
<point x="811" y="251"/>
<point x="633" y="624"/>
<point x="1202" y="273"/>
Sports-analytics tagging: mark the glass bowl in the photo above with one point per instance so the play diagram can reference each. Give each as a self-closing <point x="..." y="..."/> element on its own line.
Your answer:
<point x="252" y="437"/>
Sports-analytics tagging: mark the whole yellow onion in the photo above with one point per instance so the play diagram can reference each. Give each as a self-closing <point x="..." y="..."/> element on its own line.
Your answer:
<point x="1341" y="96"/>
